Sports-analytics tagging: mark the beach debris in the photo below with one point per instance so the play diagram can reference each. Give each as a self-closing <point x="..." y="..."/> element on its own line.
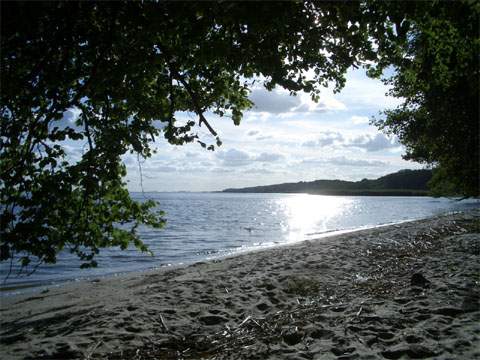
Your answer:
<point x="360" y="279"/>
<point x="256" y="323"/>
<point x="244" y="321"/>
<point x="162" y="320"/>
<point x="419" y="280"/>
<point x="91" y="351"/>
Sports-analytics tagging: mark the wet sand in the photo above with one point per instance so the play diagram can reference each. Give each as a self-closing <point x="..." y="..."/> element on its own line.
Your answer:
<point x="402" y="291"/>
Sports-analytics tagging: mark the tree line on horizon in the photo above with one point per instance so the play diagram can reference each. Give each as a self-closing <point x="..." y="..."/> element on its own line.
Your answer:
<point x="401" y="183"/>
<point x="128" y="68"/>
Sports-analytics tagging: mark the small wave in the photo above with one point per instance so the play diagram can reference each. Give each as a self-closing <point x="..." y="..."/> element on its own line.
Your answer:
<point x="323" y="232"/>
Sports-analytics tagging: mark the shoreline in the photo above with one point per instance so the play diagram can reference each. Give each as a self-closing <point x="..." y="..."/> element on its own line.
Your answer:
<point x="35" y="289"/>
<point x="240" y="303"/>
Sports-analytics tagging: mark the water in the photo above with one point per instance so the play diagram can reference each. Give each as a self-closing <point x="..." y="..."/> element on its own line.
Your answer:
<point x="205" y="225"/>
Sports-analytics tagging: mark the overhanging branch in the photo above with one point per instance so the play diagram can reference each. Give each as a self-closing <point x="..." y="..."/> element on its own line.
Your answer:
<point x="194" y="98"/>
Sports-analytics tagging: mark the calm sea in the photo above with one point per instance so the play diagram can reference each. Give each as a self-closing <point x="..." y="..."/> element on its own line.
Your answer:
<point x="206" y="225"/>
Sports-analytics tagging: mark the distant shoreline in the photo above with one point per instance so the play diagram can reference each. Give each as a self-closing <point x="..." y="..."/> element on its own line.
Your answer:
<point x="401" y="183"/>
<point x="393" y="192"/>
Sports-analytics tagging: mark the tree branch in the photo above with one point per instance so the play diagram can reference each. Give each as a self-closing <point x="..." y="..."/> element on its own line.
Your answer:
<point x="194" y="98"/>
<point x="191" y="93"/>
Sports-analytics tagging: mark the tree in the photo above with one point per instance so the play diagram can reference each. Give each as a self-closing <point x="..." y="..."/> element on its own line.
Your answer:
<point x="434" y="47"/>
<point x="128" y="68"/>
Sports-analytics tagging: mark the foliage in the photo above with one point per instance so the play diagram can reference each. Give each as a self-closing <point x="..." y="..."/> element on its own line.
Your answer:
<point x="433" y="48"/>
<point x="127" y="68"/>
<point x="440" y="185"/>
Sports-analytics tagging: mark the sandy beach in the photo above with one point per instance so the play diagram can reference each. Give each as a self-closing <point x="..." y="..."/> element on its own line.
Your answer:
<point x="403" y="291"/>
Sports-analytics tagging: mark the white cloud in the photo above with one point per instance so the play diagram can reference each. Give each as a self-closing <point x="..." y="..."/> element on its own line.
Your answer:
<point x="324" y="104"/>
<point x="362" y="92"/>
<point x="234" y="157"/>
<point x="266" y="137"/>
<point x="191" y="154"/>
<point x="324" y="139"/>
<point x="165" y="169"/>
<point x="70" y="116"/>
<point x="373" y="142"/>
<point x="220" y="170"/>
<point x="68" y="120"/>
<point x="275" y="101"/>
<point x="261" y="171"/>
<point x="269" y="157"/>
<point x="73" y="151"/>
<point x="343" y="161"/>
<point x="280" y="101"/>
<point x="360" y="120"/>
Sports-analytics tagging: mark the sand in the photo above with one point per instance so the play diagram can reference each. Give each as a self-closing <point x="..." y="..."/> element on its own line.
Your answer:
<point x="397" y="292"/>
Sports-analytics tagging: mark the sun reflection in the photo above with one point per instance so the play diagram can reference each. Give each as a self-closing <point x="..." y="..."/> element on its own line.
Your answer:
<point x="309" y="214"/>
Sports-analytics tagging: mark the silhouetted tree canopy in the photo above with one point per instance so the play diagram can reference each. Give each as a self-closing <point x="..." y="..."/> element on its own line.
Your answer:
<point x="437" y="76"/>
<point x="128" y="67"/>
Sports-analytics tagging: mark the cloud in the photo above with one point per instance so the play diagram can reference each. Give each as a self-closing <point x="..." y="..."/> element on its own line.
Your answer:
<point x="281" y="102"/>
<point x="324" y="139"/>
<point x="360" y="120"/>
<point x="219" y="170"/>
<point x="165" y="169"/>
<point x="373" y="143"/>
<point x="68" y="120"/>
<point x="70" y="116"/>
<point x="262" y="171"/>
<point x="191" y="154"/>
<point x="362" y="92"/>
<point x="234" y="157"/>
<point x="253" y="132"/>
<point x="275" y="101"/>
<point x="324" y="104"/>
<point x="266" y="137"/>
<point x="74" y="152"/>
<point x="343" y="161"/>
<point x="269" y="157"/>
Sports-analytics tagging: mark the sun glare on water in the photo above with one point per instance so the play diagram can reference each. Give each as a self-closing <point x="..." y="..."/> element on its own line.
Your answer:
<point x="309" y="214"/>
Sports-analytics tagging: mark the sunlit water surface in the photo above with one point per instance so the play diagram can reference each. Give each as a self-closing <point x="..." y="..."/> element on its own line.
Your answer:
<point x="205" y="225"/>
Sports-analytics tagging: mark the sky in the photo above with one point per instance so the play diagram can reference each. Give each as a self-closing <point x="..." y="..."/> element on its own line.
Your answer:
<point x="282" y="138"/>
